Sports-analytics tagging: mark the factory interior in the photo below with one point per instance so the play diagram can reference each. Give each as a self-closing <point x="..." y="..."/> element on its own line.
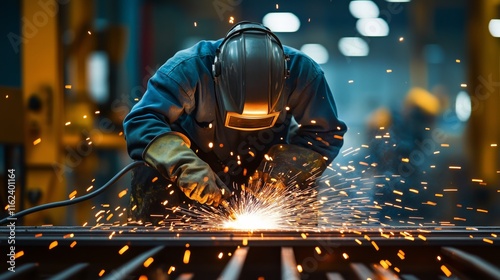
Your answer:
<point x="71" y="70"/>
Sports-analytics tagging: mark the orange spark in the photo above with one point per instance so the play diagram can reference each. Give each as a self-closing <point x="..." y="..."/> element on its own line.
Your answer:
<point x="148" y="262"/>
<point x="123" y="250"/>
<point x="445" y="270"/>
<point x="72" y="194"/>
<point x="185" y="259"/>
<point x="318" y="250"/>
<point x="488" y="240"/>
<point x="122" y="193"/>
<point x="53" y="245"/>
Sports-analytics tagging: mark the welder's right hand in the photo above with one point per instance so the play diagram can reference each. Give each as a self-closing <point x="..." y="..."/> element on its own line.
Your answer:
<point x="171" y="156"/>
<point x="287" y="165"/>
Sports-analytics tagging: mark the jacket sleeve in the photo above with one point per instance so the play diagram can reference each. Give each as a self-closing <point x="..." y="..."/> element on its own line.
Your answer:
<point x="162" y="104"/>
<point x="313" y="107"/>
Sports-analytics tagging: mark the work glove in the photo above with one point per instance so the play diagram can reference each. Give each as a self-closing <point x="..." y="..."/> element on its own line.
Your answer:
<point x="287" y="165"/>
<point x="171" y="156"/>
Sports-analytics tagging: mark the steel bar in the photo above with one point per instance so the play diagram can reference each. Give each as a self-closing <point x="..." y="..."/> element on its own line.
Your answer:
<point x="334" y="276"/>
<point x="185" y="276"/>
<point x="72" y="272"/>
<point x="233" y="268"/>
<point x="288" y="264"/>
<point x="383" y="273"/>
<point x="409" y="277"/>
<point x="126" y="269"/>
<point x="25" y="271"/>
<point x="473" y="262"/>
<point x="362" y="271"/>
<point x="254" y="255"/>
<point x="151" y="237"/>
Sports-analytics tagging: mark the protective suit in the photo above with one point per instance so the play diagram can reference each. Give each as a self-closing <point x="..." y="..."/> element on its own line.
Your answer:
<point x="181" y="104"/>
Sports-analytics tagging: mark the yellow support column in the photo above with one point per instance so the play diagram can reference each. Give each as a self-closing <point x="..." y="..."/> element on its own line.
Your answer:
<point x="42" y="88"/>
<point x="484" y="90"/>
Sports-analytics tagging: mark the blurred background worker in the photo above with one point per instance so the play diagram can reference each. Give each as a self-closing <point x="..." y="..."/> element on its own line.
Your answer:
<point x="403" y="144"/>
<point x="211" y="113"/>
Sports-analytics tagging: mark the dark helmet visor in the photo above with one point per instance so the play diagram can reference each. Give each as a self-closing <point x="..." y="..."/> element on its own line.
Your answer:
<point x="251" y="69"/>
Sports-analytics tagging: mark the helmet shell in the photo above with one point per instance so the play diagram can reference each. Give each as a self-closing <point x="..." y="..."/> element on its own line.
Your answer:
<point x="250" y="71"/>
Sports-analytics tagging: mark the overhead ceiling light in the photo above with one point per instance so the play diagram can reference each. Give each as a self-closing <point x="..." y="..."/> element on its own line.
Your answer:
<point x="317" y="52"/>
<point x="494" y="27"/>
<point x="463" y="106"/>
<point x="98" y="75"/>
<point x="353" y="46"/>
<point x="372" y="27"/>
<point x="364" y="9"/>
<point x="281" y="22"/>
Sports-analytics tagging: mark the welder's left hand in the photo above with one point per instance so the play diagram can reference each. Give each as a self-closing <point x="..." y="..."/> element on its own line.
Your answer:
<point x="171" y="155"/>
<point x="287" y="165"/>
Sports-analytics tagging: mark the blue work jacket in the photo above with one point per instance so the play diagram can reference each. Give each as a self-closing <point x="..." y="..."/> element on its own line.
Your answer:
<point x="180" y="96"/>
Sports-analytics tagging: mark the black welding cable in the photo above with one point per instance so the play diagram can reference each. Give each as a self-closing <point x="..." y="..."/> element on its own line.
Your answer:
<point x="73" y="201"/>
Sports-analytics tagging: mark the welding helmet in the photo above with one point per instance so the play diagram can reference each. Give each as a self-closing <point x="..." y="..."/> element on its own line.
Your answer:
<point x="250" y="69"/>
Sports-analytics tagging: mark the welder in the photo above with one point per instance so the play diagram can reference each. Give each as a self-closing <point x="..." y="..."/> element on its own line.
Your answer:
<point x="223" y="114"/>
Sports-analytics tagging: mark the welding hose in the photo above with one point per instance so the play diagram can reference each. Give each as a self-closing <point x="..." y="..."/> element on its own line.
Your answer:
<point x="73" y="201"/>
